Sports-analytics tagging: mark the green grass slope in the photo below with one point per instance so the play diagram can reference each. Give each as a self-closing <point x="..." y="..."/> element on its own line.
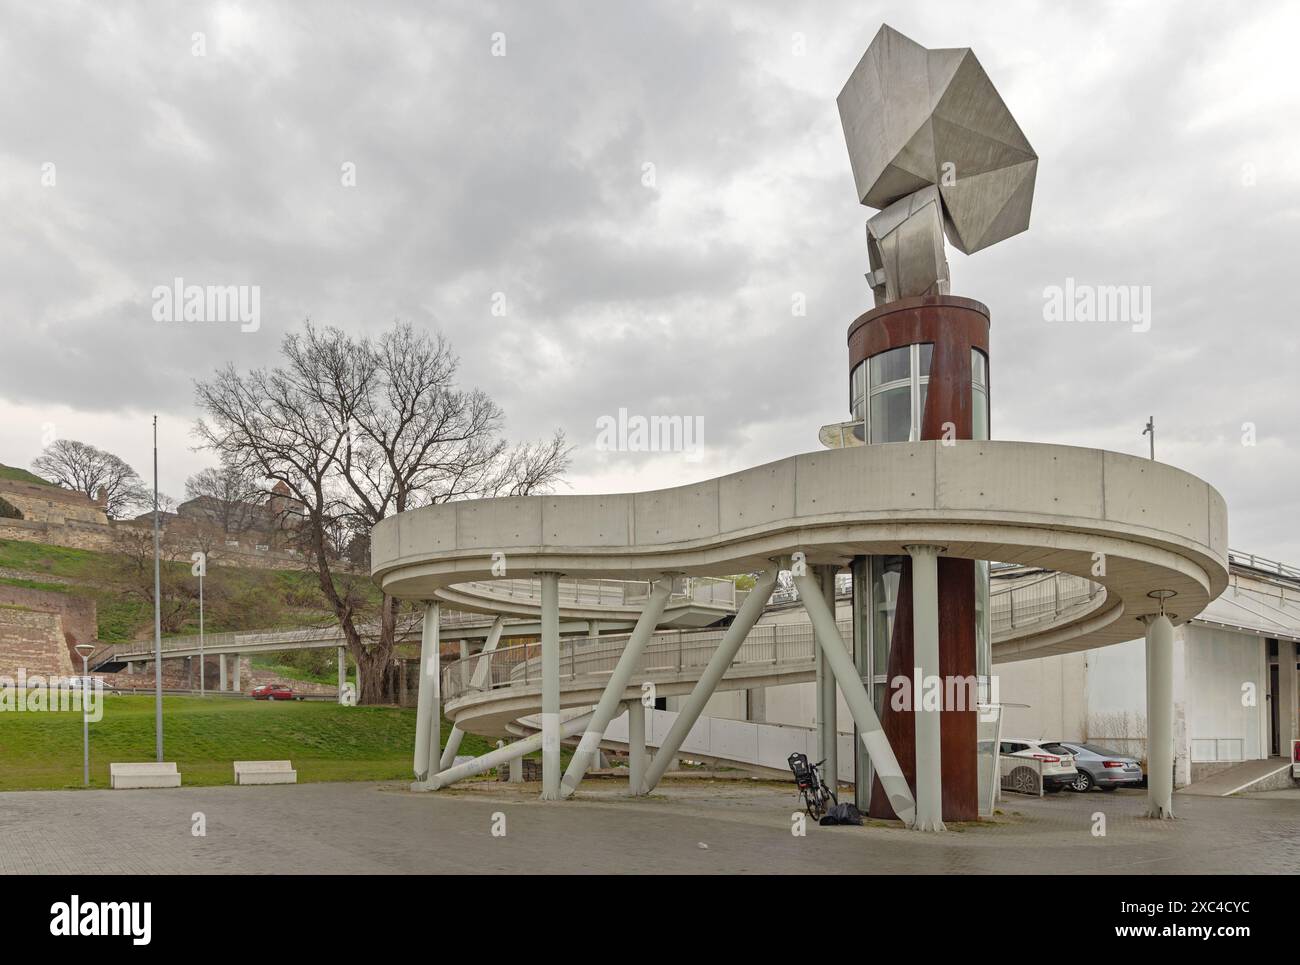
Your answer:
<point x="22" y="475"/>
<point x="325" y="742"/>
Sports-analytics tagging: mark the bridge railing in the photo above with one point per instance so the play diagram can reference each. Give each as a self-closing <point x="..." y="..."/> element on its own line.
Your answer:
<point x="667" y="654"/>
<point x="1033" y="600"/>
<point x="1036" y="600"/>
<point x="705" y="590"/>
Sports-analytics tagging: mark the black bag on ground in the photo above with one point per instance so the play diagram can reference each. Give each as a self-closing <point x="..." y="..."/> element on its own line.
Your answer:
<point x="842" y="814"/>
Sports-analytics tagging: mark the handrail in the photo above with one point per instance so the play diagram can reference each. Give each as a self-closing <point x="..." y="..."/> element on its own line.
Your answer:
<point x="1026" y="603"/>
<point x="708" y="590"/>
<point x="1263" y="564"/>
<point x="769" y="644"/>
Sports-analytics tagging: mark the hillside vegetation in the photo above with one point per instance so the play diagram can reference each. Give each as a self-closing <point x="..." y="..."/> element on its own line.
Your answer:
<point x="22" y="475"/>
<point x="235" y="598"/>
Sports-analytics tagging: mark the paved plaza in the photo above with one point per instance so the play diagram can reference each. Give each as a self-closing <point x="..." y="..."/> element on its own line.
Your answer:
<point x="689" y="826"/>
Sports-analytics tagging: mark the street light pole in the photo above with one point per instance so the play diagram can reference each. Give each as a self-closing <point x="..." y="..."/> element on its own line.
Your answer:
<point x="202" y="686"/>
<point x="200" y="569"/>
<point x="157" y="609"/>
<point x="85" y="650"/>
<point x="1151" y="431"/>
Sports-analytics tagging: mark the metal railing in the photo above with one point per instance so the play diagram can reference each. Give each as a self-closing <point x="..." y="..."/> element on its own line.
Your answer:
<point x="705" y="590"/>
<point x="143" y="649"/>
<point x="1024" y="603"/>
<point x="1263" y="564"/>
<point x="673" y="651"/>
<point x="1044" y="598"/>
<point x="667" y="654"/>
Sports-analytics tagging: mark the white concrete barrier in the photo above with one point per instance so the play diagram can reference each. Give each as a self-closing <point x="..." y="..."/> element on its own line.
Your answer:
<point x="143" y="774"/>
<point x="265" y="772"/>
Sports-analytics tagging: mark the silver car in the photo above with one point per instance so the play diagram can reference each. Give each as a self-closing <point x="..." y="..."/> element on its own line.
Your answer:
<point x="1099" y="766"/>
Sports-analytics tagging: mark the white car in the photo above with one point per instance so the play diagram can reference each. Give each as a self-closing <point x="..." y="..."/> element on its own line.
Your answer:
<point x="1057" y="770"/>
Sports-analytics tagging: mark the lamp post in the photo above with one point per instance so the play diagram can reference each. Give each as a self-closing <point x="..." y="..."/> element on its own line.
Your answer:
<point x="84" y="650"/>
<point x="157" y="610"/>
<point x="1151" y="431"/>
<point x="200" y="569"/>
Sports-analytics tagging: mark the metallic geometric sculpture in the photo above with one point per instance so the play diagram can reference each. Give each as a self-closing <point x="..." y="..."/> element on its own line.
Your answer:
<point x="931" y="141"/>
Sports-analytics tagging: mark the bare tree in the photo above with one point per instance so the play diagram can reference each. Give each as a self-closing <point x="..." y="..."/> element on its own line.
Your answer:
<point x="359" y="430"/>
<point x="229" y="497"/>
<point x="135" y="572"/>
<point x="87" y="469"/>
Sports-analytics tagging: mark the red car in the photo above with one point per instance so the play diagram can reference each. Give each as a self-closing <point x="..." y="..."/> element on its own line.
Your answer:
<point x="274" y="692"/>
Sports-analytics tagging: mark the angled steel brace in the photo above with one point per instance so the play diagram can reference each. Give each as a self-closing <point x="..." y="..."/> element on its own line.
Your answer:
<point x="612" y="696"/>
<point x="855" y="695"/>
<point x="502" y="755"/>
<point x="746" y="617"/>
<point x="475" y="682"/>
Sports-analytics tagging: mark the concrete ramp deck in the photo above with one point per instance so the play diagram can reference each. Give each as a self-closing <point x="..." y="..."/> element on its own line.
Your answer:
<point x="1266" y="775"/>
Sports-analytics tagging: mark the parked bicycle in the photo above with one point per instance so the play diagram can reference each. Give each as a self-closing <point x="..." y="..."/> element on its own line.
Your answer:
<point x="817" y="797"/>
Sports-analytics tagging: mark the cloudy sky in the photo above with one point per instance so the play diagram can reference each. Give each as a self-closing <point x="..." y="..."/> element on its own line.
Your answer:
<point x="211" y="142"/>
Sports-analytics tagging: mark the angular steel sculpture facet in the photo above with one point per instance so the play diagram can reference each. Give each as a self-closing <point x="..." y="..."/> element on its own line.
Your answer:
<point x="931" y="141"/>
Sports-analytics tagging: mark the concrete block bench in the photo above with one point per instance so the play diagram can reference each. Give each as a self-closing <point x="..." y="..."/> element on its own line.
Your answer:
<point x="265" y="772"/>
<point x="150" y="774"/>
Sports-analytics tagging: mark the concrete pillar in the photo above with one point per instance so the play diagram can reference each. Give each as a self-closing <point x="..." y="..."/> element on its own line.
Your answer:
<point x="516" y="770"/>
<point x="756" y="705"/>
<point x="223" y="684"/>
<point x="343" y="669"/>
<point x="826" y="694"/>
<point x="130" y="666"/>
<point x="1288" y="728"/>
<point x="1160" y="716"/>
<point x="636" y="759"/>
<point x="428" y="709"/>
<point x="235" y="673"/>
<point x="925" y="643"/>
<point x="550" y="686"/>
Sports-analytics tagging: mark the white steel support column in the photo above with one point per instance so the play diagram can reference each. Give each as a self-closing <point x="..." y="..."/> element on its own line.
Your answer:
<point x="1288" y="726"/>
<point x="223" y="683"/>
<point x="855" y="694"/>
<point x="428" y="710"/>
<point x="690" y="711"/>
<point x="636" y="757"/>
<point x="925" y="649"/>
<point x="343" y="669"/>
<point x="1160" y="716"/>
<point x="612" y="696"/>
<point x="827" y="741"/>
<point x="550" y="686"/>
<point x="481" y="668"/>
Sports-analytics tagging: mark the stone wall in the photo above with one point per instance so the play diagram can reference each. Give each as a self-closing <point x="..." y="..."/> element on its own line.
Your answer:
<point x="50" y="504"/>
<point x="79" y="616"/>
<point x="32" y="641"/>
<point x="182" y="536"/>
